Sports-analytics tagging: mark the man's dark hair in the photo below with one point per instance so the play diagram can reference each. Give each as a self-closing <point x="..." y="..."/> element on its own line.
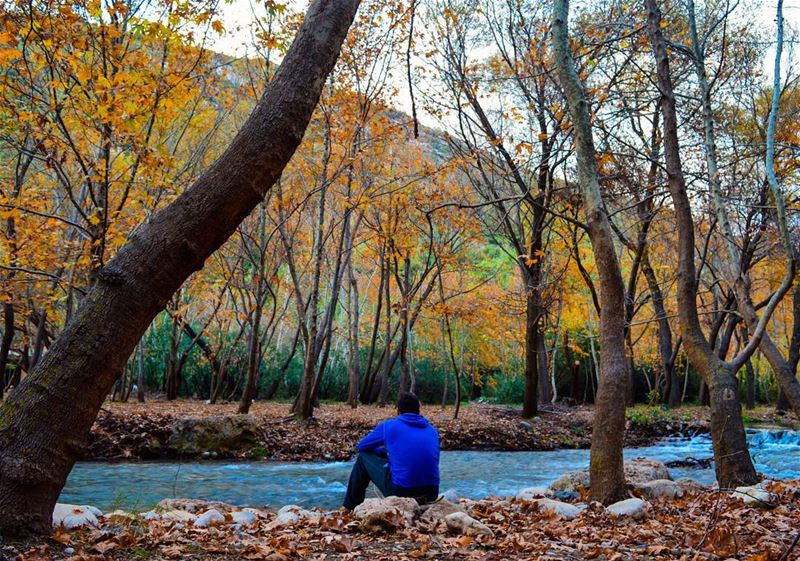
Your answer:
<point x="407" y="402"/>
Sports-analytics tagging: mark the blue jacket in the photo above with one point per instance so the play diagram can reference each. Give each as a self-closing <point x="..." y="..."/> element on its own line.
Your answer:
<point x="412" y="445"/>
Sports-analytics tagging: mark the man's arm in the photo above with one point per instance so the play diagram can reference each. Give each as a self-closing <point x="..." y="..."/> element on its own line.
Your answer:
<point x="374" y="440"/>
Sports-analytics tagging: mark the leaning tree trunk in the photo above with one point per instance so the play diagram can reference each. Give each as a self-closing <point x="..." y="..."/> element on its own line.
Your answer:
<point x="44" y="424"/>
<point x="733" y="463"/>
<point x="606" y="467"/>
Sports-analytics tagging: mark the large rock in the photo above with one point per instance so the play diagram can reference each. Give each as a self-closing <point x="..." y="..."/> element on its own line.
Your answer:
<point x="228" y="435"/>
<point x="755" y="496"/>
<point x="632" y="508"/>
<point x="637" y="472"/>
<point x="557" y="508"/>
<point x="530" y="493"/>
<point x="571" y="482"/>
<point x="245" y="517"/>
<point x="439" y="510"/>
<point x="463" y="523"/>
<point x="690" y="486"/>
<point x="660" y="489"/>
<point x="642" y="470"/>
<point x="291" y="514"/>
<point x="387" y="514"/>
<point x="209" y="518"/>
<point x="74" y="516"/>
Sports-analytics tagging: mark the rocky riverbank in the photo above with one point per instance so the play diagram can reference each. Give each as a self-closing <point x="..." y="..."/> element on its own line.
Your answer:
<point x="662" y="519"/>
<point x="162" y="430"/>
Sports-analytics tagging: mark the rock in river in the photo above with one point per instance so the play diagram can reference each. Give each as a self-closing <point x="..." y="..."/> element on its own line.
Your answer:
<point x="225" y="435"/>
<point x="637" y="472"/>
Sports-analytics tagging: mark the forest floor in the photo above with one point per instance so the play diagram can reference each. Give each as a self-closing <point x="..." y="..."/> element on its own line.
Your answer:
<point x="706" y="524"/>
<point x="140" y="431"/>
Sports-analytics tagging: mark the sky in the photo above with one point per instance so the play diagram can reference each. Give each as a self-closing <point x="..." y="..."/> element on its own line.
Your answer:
<point x="237" y="16"/>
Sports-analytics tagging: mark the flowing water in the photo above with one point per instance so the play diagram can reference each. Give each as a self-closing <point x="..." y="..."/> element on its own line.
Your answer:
<point x="138" y="486"/>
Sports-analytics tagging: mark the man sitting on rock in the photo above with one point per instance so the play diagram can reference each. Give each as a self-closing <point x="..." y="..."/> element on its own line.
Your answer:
<point x="401" y="457"/>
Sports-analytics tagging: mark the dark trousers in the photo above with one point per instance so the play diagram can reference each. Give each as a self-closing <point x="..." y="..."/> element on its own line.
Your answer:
<point x="375" y="468"/>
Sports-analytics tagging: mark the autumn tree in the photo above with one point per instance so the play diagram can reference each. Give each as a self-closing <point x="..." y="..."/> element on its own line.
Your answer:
<point x="46" y="421"/>
<point x="606" y="469"/>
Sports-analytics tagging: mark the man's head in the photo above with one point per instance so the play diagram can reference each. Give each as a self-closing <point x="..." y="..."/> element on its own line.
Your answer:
<point x="407" y="402"/>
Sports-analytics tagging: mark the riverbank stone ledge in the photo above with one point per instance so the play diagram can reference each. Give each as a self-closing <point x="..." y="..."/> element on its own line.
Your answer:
<point x="221" y="435"/>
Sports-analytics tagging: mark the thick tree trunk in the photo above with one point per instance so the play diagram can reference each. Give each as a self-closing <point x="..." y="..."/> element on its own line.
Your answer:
<point x="44" y="424"/>
<point x="606" y="468"/>
<point x="733" y="464"/>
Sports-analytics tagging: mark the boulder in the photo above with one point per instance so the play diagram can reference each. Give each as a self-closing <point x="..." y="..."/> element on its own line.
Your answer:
<point x="557" y="508"/>
<point x="755" y="496"/>
<point x="225" y="435"/>
<point x="439" y="510"/>
<point x="463" y="523"/>
<point x="565" y="495"/>
<point x="209" y="518"/>
<point x="660" y="488"/>
<point x="637" y="471"/>
<point x="690" y="486"/>
<point x="529" y="493"/>
<point x="387" y="514"/>
<point x="633" y="508"/>
<point x="450" y="495"/>
<point x="74" y="516"/>
<point x="571" y="482"/>
<point x="246" y="517"/>
<point x="291" y="514"/>
<point x="641" y="470"/>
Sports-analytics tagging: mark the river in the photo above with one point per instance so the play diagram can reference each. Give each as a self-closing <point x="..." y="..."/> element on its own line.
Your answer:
<point x="137" y="486"/>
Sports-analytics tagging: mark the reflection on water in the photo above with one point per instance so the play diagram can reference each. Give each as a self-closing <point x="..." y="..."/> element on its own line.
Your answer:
<point x="138" y="486"/>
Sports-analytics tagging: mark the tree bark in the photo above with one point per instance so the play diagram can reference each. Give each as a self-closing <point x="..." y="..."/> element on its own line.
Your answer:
<point x="606" y="467"/>
<point x="44" y="425"/>
<point x="733" y="464"/>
